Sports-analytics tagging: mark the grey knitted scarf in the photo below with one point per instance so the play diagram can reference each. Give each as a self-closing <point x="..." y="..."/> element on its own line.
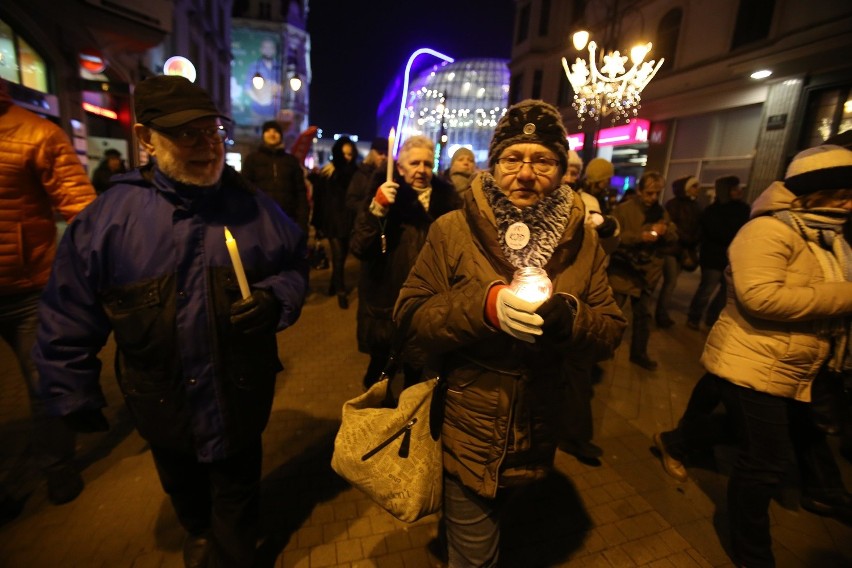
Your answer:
<point x="546" y="220"/>
<point x="822" y="230"/>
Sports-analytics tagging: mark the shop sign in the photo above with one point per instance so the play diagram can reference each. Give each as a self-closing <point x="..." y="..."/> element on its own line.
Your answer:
<point x="636" y="132"/>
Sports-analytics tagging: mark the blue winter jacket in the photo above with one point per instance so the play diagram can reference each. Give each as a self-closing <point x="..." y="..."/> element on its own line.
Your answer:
<point x="147" y="260"/>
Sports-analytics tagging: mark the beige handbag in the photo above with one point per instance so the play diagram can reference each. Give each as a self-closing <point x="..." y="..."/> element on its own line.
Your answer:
<point x="394" y="455"/>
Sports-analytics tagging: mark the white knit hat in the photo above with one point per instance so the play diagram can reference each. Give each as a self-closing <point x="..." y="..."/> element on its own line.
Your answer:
<point x="819" y="168"/>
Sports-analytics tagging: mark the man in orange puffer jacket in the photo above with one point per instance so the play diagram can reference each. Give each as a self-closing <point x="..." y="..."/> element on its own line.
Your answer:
<point x="39" y="174"/>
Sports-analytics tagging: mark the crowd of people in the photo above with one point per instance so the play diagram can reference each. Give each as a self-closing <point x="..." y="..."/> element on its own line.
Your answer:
<point x="194" y="267"/>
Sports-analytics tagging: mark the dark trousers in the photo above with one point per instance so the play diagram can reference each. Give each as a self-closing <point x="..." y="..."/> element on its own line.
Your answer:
<point x="710" y="278"/>
<point x="641" y="326"/>
<point x="770" y="431"/>
<point x="671" y="271"/>
<point x="696" y="430"/>
<point x="219" y="499"/>
<point x="53" y="442"/>
<point x="339" y="251"/>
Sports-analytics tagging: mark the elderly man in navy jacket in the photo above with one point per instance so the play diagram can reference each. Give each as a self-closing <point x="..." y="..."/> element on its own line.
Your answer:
<point x="196" y="358"/>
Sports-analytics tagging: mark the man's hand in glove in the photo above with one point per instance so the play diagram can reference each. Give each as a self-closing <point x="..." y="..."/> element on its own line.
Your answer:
<point x="258" y="313"/>
<point x="86" y="420"/>
<point x="515" y="316"/>
<point x="558" y="314"/>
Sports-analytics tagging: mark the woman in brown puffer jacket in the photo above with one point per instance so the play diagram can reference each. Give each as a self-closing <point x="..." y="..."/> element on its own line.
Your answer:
<point x="506" y="359"/>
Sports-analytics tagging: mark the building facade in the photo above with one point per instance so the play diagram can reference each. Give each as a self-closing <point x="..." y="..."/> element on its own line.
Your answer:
<point x="708" y="115"/>
<point x="76" y="62"/>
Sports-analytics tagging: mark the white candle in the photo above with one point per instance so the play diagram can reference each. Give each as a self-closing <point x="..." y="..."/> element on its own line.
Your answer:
<point x="391" y="139"/>
<point x="231" y="243"/>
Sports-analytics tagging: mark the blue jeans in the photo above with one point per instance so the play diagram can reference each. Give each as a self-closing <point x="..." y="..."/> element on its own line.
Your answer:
<point x="671" y="270"/>
<point x="473" y="526"/>
<point x="710" y="278"/>
<point x="53" y="442"/>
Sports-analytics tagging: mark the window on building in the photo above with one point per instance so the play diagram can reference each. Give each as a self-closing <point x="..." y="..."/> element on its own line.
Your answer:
<point x="264" y="11"/>
<point x="753" y="20"/>
<point x="515" y="88"/>
<point x="565" y="96"/>
<point x="19" y="62"/>
<point x="667" y="35"/>
<point x="523" y="24"/>
<point x="544" y="18"/>
<point x="829" y="112"/>
<point x="536" y="86"/>
<point x="579" y="12"/>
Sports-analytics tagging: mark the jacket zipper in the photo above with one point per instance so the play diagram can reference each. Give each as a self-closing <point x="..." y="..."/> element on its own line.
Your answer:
<point x="405" y="432"/>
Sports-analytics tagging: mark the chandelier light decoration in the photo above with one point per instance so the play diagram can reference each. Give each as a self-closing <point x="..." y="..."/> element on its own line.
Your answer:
<point x="611" y="91"/>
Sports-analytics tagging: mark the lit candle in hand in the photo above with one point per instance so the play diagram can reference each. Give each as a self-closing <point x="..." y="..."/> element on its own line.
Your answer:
<point x="532" y="285"/>
<point x="238" y="264"/>
<point x="391" y="139"/>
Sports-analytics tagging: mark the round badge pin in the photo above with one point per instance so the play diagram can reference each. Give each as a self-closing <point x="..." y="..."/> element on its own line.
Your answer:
<point x="517" y="236"/>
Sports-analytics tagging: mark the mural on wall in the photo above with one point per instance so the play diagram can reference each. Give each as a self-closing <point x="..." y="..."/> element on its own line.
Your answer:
<point x="256" y="88"/>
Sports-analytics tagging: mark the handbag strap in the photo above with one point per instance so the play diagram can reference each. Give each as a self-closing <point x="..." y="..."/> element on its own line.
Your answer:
<point x="392" y="365"/>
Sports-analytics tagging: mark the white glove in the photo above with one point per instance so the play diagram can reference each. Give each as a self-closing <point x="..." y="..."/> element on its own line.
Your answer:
<point x="517" y="317"/>
<point x="386" y="194"/>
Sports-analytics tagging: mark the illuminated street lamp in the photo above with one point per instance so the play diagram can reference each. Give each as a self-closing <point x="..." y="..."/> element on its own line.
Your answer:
<point x="611" y="90"/>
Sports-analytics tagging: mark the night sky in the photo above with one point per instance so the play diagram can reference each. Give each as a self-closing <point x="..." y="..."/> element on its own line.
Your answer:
<point x="358" y="46"/>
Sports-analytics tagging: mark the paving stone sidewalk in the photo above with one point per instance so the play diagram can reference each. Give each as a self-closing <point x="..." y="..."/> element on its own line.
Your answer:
<point x="625" y="513"/>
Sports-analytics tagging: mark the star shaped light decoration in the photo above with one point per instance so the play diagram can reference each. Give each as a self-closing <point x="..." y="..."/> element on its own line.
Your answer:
<point x="611" y="91"/>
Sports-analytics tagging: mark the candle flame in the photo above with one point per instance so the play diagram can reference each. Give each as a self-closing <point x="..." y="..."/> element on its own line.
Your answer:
<point x="228" y="236"/>
<point x="392" y="133"/>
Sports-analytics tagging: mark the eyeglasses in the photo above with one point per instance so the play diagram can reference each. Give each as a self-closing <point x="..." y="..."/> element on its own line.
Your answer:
<point x="189" y="137"/>
<point x="540" y="165"/>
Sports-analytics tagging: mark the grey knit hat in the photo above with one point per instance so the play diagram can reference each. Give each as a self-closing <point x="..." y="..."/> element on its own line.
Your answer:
<point x="530" y="122"/>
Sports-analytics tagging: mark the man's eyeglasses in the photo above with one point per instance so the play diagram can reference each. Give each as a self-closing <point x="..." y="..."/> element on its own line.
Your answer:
<point x="540" y="165"/>
<point x="189" y="137"/>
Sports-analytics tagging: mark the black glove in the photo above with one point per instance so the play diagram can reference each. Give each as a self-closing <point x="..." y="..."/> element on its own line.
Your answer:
<point x="86" y="420"/>
<point x="558" y="314"/>
<point x="258" y="313"/>
<point x="607" y="228"/>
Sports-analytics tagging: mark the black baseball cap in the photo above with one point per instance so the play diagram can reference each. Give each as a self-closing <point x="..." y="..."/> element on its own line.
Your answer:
<point x="168" y="101"/>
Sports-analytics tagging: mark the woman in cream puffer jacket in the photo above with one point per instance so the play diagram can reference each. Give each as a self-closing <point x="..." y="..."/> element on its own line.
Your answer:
<point x="786" y="322"/>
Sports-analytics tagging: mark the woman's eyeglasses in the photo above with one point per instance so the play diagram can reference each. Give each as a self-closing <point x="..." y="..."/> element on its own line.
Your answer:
<point x="189" y="137"/>
<point x="540" y="165"/>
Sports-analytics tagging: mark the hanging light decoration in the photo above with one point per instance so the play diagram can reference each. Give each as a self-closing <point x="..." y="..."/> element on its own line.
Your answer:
<point x="611" y="91"/>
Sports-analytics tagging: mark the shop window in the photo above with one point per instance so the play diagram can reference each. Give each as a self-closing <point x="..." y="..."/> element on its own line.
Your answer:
<point x="19" y="62"/>
<point x="754" y="18"/>
<point x="544" y="18"/>
<point x="523" y="24"/>
<point x="667" y="35"/>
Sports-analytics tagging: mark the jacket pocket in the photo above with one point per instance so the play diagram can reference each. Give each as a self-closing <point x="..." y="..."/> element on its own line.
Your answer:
<point x="134" y="312"/>
<point x="158" y="406"/>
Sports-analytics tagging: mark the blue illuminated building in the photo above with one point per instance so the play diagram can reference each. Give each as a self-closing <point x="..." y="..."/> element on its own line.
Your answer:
<point x="455" y="103"/>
